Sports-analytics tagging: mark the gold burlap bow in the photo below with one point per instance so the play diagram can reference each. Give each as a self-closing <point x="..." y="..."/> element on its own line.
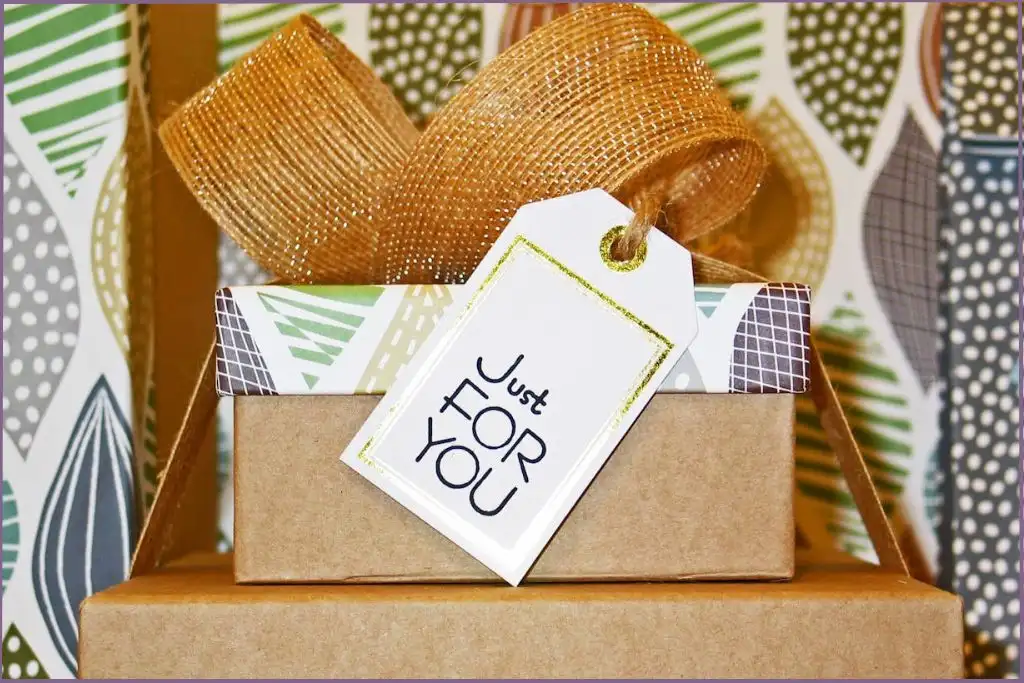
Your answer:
<point x="307" y="160"/>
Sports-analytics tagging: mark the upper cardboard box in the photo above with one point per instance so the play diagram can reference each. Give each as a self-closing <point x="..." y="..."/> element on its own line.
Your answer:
<point x="342" y="339"/>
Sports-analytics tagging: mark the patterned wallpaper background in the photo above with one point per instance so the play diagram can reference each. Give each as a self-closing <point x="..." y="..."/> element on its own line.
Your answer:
<point x="78" y="457"/>
<point x="893" y="193"/>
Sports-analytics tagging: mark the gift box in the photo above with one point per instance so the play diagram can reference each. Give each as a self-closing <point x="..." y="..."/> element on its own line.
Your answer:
<point x="329" y="182"/>
<point x="838" y="618"/>
<point x="680" y="498"/>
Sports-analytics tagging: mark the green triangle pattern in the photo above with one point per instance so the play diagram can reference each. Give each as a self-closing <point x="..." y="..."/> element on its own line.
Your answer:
<point x="879" y="415"/>
<point x="318" y="331"/>
<point x="66" y="78"/>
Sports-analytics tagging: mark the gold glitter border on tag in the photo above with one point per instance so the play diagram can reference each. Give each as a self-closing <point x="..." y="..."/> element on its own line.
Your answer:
<point x="643" y="380"/>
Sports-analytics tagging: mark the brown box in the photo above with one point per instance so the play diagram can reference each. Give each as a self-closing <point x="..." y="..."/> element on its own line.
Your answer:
<point x="838" y="619"/>
<point x="701" y="487"/>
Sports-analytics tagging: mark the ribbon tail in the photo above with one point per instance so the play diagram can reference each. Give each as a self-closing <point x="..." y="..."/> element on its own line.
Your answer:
<point x="157" y="531"/>
<point x="837" y="429"/>
<point x="854" y="469"/>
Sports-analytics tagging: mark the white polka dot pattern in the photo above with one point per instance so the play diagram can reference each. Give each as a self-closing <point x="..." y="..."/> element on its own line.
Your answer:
<point x="844" y="58"/>
<point x="981" y="66"/>
<point x="236" y="268"/>
<point x="41" y="304"/>
<point x="980" y="263"/>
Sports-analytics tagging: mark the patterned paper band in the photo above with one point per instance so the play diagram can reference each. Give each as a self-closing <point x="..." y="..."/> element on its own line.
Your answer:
<point x="281" y="340"/>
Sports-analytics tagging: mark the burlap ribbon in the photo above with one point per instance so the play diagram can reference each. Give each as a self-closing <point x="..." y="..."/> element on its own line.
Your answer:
<point x="306" y="159"/>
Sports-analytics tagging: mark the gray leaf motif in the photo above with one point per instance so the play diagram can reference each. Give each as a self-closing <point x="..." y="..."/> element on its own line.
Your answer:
<point x="40" y="303"/>
<point x="901" y="245"/>
<point x="86" y="529"/>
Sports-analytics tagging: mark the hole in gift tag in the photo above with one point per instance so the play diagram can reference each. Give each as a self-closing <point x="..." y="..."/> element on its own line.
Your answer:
<point x="610" y="259"/>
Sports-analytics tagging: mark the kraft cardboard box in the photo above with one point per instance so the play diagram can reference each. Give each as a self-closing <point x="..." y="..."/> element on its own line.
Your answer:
<point x="700" y="488"/>
<point x="838" y="618"/>
<point x="680" y="498"/>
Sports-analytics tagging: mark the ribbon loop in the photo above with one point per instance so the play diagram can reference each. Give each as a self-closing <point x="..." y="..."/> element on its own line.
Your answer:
<point x="302" y="155"/>
<point x="607" y="96"/>
<point x="289" y="152"/>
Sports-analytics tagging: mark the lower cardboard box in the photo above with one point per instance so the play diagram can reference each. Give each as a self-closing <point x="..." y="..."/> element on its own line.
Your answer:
<point x="838" y="618"/>
<point x="700" y="488"/>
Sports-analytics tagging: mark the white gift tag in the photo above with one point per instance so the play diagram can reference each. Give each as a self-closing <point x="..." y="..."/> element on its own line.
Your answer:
<point x="532" y="377"/>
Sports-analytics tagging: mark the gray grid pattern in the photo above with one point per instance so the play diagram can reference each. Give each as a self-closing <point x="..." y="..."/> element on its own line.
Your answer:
<point x="901" y="246"/>
<point x="772" y="343"/>
<point x="241" y="369"/>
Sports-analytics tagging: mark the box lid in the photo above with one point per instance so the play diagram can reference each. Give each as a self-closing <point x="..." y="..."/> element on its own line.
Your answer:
<point x="838" y="618"/>
<point x="345" y="339"/>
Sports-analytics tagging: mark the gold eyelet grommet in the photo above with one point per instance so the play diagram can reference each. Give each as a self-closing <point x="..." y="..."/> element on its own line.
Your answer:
<point x="621" y="266"/>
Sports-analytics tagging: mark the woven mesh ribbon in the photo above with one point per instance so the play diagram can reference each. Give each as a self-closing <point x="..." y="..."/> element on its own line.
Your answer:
<point x="303" y="156"/>
<point x="306" y="159"/>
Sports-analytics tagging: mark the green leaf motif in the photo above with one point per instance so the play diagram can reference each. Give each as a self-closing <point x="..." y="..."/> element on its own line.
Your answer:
<point x="66" y="78"/>
<point x="11" y="534"/>
<point x="425" y="52"/>
<point x="845" y="59"/>
<point x="242" y="27"/>
<point x="730" y="37"/>
<point x="19" y="660"/>
<point x="934" y="496"/>
<point x="879" y="415"/>
<point x="318" y="331"/>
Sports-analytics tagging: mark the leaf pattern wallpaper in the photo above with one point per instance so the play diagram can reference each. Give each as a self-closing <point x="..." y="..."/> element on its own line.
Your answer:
<point x="729" y="36"/>
<point x="11" y="533"/>
<point x="875" y="404"/>
<point x="901" y="246"/>
<point x="41" y="303"/>
<point x="65" y="77"/>
<point x="73" y="76"/>
<point x="861" y="110"/>
<point x="425" y="52"/>
<point x="979" y="255"/>
<point x="86" y="529"/>
<point x="845" y="58"/>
